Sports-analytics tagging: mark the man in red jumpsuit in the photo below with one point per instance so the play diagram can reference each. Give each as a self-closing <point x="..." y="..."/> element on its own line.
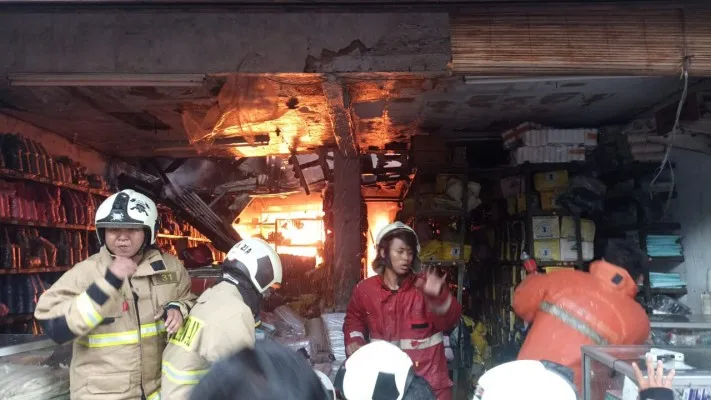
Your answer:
<point x="402" y="307"/>
<point x="571" y="309"/>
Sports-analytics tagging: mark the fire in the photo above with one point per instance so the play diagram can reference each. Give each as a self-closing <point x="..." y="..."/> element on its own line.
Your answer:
<point x="379" y="215"/>
<point x="292" y="225"/>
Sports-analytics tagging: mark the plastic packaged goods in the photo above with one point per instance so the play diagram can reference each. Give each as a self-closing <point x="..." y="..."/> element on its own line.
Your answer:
<point x="25" y="382"/>
<point x="296" y="324"/>
<point x="333" y="322"/>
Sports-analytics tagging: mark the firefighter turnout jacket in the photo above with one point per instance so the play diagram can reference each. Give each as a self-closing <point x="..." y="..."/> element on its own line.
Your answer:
<point x="117" y="345"/>
<point x="408" y="319"/>
<point x="571" y="309"/>
<point x="219" y="324"/>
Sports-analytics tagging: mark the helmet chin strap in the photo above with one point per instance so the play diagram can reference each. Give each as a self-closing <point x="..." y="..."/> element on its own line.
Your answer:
<point x="251" y="297"/>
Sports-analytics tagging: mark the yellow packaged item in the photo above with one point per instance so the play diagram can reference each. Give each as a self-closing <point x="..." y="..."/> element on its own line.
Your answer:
<point x="587" y="229"/>
<point x="431" y="251"/>
<point x="547" y="250"/>
<point x="550" y="180"/>
<point x="451" y="251"/>
<point x="549" y="199"/>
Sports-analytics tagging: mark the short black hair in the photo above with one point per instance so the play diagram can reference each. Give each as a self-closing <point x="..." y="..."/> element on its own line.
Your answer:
<point x="410" y="239"/>
<point x="270" y="371"/>
<point x="419" y="389"/>
<point x="628" y="255"/>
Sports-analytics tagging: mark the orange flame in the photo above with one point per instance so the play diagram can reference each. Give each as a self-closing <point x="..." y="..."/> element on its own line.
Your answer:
<point x="379" y="215"/>
<point x="299" y="233"/>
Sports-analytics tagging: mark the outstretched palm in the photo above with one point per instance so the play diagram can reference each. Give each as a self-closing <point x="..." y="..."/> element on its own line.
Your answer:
<point x="433" y="282"/>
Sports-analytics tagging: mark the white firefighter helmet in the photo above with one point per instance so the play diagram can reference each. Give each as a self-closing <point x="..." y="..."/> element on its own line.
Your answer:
<point x="327" y="385"/>
<point x="393" y="228"/>
<point x="533" y="380"/>
<point x="127" y="209"/>
<point x="378" y="370"/>
<point x="257" y="260"/>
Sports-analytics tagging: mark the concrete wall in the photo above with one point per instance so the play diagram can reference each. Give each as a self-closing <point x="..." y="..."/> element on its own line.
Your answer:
<point x="201" y="42"/>
<point x="692" y="208"/>
<point x="56" y="145"/>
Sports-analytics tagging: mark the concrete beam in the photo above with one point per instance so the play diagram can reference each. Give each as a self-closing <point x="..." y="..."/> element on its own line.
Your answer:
<point x="347" y="229"/>
<point x="339" y="111"/>
<point x="170" y="42"/>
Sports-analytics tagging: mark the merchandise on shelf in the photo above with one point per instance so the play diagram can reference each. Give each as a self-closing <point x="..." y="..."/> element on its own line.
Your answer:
<point x="19" y="293"/>
<point x="30" y="157"/>
<point x="46" y="204"/>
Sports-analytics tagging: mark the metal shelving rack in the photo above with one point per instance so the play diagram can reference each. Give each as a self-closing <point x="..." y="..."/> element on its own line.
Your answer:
<point x="462" y="217"/>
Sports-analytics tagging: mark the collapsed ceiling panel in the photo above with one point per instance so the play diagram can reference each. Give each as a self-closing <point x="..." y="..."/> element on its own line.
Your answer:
<point x="236" y="115"/>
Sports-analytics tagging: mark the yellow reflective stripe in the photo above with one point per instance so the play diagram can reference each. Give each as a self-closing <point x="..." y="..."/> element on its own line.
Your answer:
<point x="122" y="338"/>
<point x="154" y="396"/>
<point x="91" y="317"/>
<point x="181" y="377"/>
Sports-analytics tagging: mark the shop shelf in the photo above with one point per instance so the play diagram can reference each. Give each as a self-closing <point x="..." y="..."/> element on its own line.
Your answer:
<point x="40" y="270"/>
<point x="8" y="173"/>
<point x="7" y="221"/>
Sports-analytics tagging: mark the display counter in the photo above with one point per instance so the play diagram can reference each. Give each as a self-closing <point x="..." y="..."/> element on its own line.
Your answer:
<point x="605" y="369"/>
<point x="33" y="367"/>
<point x="681" y="330"/>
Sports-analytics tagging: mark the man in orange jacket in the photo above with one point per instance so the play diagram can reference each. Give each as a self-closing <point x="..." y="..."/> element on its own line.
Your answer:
<point x="571" y="309"/>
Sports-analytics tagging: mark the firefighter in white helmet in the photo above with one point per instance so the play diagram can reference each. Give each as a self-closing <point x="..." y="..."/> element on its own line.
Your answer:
<point x="533" y="380"/>
<point x="118" y="305"/>
<point x="400" y="305"/>
<point x="380" y="370"/>
<point x="223" y="320"/>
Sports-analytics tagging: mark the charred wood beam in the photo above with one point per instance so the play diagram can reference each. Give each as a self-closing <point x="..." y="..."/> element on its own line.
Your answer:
<point x="338" y="101"/>
<point x="300" y="174"/>
<point x="347" y="233"/>
<point x="323" y="161"/>
<point x="175" y="164"/>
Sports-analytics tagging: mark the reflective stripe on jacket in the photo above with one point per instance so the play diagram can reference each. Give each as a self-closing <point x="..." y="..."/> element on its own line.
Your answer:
<point x="406" y="318"/>
<point x="219" y="324"/>
<point x="115" y="357"/>
<point x="571" y="309"/>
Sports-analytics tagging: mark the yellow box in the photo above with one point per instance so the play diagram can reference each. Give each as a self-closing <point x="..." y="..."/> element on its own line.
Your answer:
<point x="549" y="199"/>
<point x="549" y="270"/>
<point x="587" y="229"/>
<point x="512" y="205"/>
<point x="550" y="180"/>
<point x="521" y="200"/>
<point x="431" y="250"/>
<point x="451" y="251"/>
<point x="547" y="250"/>
<point x="546" y="228"/>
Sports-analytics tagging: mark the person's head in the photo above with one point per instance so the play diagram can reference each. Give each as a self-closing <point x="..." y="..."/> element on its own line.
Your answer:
<point x="535" y="380"/>
<point x="626" y="255"/>
<point x="380" y="370"/>
<point x="270" y="371"/>
<point x="397" y="249"/>
<point x="256" y="261"/>
<point x="126" y="223"/>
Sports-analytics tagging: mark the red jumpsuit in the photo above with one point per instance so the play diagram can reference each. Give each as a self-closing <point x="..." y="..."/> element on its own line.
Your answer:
<point x="571" y="309"/>
<point x="409" y="319"/>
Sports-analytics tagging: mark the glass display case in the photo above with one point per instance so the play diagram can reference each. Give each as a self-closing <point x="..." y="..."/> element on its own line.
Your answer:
<point x="33" y="367"/>
<point x="681" y="330"/>
<point x="608" y="373"/>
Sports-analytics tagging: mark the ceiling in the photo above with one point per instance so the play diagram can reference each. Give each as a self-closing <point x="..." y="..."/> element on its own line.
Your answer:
<point x="283" y="113"/>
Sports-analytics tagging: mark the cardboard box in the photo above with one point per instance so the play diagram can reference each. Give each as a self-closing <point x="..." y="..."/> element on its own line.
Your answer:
<point x="546" y="250"/>
<point x="513" y="186"/>
<point x="546" y="228"/>
<point x="551" y="180"/>
<point x="451" y="251"/>
<point x="549" y="199"/>
<point x="587" y="229"/>
<point x="569" y="252"/>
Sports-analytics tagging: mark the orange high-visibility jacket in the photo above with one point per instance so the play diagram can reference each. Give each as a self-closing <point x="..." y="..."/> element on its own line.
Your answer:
<point x="571" y="309"/>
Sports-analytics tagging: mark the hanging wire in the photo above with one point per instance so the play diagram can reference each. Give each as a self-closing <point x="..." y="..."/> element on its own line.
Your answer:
<point x="666" y="161"/>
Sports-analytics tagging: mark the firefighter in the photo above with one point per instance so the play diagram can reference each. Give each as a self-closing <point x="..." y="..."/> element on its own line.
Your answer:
<point x="223" y="320"/>
<point x="269" y="371"/>
<point x="543" y="380"/>
<point x="118" y="305"/>
<point x="571" y="309"/>
<point x="380" y="370"/>
<point x="403" y="307"/>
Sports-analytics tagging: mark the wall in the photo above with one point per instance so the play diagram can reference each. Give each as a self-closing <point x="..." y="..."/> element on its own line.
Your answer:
<point x="207" y="41"/>
<point x="692" y="208"/>
<point x="56" y="145"/>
